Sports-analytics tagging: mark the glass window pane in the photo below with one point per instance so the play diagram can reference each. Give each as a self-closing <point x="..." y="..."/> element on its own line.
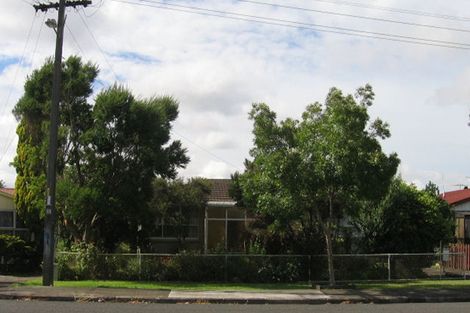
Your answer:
<point x="216" y="212"/>
<point x="236" y="213"/>
<point x="216" y="235"/>
<point x="236" y="236"/>
<point x="6" y="219"/>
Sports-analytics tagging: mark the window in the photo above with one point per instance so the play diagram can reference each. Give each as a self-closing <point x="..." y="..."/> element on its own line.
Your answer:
<point x="169" y="229"/>
<point x="227" y="228"/>
<point x="6" y="219"/>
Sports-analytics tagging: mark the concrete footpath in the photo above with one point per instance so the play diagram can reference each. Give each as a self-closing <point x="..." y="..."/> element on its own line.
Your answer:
<point x="8" y="290"/>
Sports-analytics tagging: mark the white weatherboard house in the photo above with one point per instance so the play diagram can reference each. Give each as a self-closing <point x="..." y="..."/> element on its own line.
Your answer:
<point x="459" y="200"/>
<point x="8" y="221"/>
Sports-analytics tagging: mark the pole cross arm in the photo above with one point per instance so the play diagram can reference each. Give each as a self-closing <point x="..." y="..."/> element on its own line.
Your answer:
<point x="46" y="6"/>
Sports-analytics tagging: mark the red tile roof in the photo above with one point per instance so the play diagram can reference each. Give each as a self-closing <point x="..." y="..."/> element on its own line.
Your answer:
<point x="220" y="190"/>
<point x="9" y="191"/>
<point x="456" y="196"/>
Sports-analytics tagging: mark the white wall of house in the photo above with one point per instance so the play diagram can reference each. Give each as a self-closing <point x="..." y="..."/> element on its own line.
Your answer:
<point x="8" y="212"/>
<point x="463" y="207"/>
<point x="6" y="203"/>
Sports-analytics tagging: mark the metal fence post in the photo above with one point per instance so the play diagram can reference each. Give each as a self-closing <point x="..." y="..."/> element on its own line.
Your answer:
<point x="389" y="267"/>
<point x="226" y="268"/>
<point x="139" y="262"/>
<point x="441" y="265"/>
<point x="310" y="270"/>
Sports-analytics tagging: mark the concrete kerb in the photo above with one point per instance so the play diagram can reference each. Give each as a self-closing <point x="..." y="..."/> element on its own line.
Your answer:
<point x="228" y="300"/>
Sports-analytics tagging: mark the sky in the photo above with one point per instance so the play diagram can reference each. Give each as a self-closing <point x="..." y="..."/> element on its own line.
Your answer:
<point x="216" y="67"/>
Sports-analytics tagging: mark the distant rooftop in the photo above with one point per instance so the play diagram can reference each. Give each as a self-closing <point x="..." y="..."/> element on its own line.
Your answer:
<point x="9" y="191"/>
<point x="456" y="196"/>
<point x="220" y="190"/>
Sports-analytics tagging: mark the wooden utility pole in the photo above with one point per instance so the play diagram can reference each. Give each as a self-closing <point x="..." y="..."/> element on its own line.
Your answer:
<point x="49" y="222"/>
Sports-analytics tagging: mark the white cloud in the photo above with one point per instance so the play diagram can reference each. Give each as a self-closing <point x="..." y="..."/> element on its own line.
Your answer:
<point x="217" y="67"/>
<point x="216" y="169"/>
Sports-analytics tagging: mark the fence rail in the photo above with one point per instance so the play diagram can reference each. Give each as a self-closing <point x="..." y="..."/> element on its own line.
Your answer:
<point x="259" y="267"/>
<point x="459" y="263"/>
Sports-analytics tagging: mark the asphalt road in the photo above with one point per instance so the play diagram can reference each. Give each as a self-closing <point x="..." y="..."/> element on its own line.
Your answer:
<point x="13" y="306"/>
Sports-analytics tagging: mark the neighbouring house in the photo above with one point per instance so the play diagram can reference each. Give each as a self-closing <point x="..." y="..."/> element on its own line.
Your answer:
<point x="459" y="200"/>
<point x="9" y="224"/>
<point x="221" y="226"/>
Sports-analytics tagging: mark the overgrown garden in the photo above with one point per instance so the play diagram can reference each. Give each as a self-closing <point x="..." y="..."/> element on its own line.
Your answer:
<point x="320" y="184"/>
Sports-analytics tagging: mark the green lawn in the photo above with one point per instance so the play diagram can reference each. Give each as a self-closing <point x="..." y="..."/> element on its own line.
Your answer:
<point x="169" y="285"/>
<point x="416" y="284"/>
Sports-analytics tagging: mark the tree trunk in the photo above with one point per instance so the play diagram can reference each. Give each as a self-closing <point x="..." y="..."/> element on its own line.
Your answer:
<point x="329" y="252"/>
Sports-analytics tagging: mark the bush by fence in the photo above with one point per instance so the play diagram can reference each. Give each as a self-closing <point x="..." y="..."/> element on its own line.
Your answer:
<point x="89" y="264"/>
<point x="16" y="256"/>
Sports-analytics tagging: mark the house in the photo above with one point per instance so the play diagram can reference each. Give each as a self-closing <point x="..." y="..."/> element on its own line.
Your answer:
<point x="459" y="200"/>
<point x="222" y="225"/>
<point x="9" y="224"/>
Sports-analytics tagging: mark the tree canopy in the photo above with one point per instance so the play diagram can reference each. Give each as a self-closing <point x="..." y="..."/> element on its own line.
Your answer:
<point x="32" y="113"/>
<point x="109" y="153"/>
<point x="308" y="171"/>
<point x="406" y="220"/>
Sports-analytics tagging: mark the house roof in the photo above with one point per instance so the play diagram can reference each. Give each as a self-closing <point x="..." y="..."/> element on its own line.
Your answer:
<point x="8" y="191"/>
<point x="220" y="190"/>
<point x="456" y="196"/>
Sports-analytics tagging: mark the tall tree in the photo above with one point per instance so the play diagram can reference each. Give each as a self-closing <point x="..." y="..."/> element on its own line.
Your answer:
<point x="109" y="154"/>
<point x="318" y="166"/>
<point x="32" y="113"/>
<point x="126" y="147"/>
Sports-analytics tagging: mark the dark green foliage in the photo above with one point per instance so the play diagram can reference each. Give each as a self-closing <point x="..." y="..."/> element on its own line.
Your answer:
<point x="177" y="202"/>
<point x="85" y="263"/>
<point x="32" y="113"/>
<point x="17" y="256"/>
<point x="128" y="145"/>
<point x="109" y="154"/>
<point x="305" y="175"/>
<point x="406" y="220"/>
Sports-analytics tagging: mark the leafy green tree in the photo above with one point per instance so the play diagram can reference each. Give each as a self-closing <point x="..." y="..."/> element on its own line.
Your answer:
<point x="176" y="202"/>
<point x="311" y="171"/>
<point x="109" y="154"/>
<point x="32" y="113"/>
<point x="126" y="147"/>
<point x="406" y="220"/>
<point x="2" y="184"/>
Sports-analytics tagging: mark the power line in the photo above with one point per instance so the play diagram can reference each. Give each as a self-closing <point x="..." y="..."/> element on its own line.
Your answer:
<point x="205" y="150"/>
<point x="396" y="10"/>
<point x="37" y="42"/>
<point x="28" y="37"/>
<point x="98" y="45"/>
<point x="97" y="6"/>
<point x="74" y="39"/>
<point x="299" y="25"/>
<point x="11" y="133"/>
<point x="354" y="16"/>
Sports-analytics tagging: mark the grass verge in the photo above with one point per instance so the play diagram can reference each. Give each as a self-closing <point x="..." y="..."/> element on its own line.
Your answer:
<point x="189" y="286"/>
<point x="416" y="284"/>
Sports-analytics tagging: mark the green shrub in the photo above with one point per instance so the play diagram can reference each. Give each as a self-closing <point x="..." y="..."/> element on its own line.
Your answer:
<point x="16" y="256"/>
